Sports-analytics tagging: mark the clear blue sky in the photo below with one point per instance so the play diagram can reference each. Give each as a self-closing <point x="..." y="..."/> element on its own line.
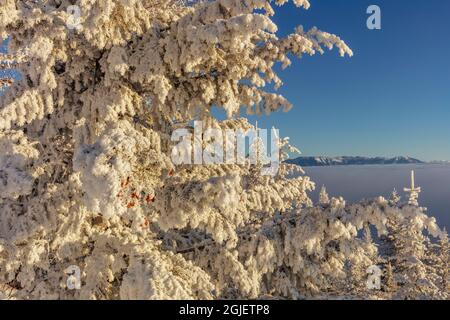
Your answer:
<point x="391" y="98"/>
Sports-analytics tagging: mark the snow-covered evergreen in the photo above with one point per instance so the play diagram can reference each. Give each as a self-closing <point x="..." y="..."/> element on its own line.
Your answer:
<point x="323" y="196"/>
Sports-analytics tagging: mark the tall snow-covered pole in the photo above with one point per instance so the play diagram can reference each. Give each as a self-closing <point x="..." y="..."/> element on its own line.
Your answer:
<point x="413" y="191"/>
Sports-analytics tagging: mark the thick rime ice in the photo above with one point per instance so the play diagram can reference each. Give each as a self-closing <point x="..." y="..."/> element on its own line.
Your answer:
<point x="86" y="178"/>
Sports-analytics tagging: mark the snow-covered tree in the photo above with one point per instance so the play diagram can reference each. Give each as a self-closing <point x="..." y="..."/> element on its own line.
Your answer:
<point x="390" y="284"/>
<point x="395" y="197"/>
<point x="86" y="173"/>
<point x="323" y="196"/>
<point x="444" y="265"/>
<point x="416" y="282"/>
<point x="87" y="179"/>
<point x="440" y="263"/>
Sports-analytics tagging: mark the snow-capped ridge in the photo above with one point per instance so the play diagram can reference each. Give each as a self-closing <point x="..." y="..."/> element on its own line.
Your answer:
<point x="351" y="160"/>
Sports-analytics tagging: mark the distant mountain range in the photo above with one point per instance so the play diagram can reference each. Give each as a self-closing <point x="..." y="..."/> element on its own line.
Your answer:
<point x="440" y="162"/>
<point x="343" y="161"/>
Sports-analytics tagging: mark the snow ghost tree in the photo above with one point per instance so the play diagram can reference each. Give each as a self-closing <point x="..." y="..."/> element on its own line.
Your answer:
<point x="91" y="204"/>
<point x="323" y="196"/>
